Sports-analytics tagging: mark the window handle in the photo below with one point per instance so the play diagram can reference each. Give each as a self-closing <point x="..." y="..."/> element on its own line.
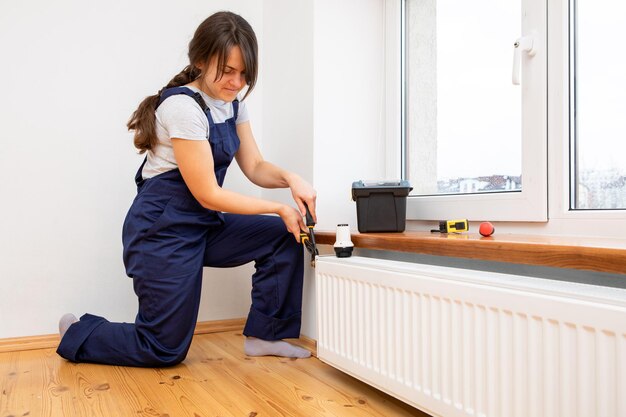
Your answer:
<point x="525" y="43"/>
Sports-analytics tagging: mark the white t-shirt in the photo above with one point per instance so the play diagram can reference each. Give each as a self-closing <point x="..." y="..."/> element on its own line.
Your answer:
<point x="179" y="116"/>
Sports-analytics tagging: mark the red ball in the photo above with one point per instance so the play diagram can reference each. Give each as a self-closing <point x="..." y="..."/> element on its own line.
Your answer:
<point x="486" y="229"/>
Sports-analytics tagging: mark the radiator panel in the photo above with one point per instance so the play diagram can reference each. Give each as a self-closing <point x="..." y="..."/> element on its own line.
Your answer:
<point x="457" y="342"/>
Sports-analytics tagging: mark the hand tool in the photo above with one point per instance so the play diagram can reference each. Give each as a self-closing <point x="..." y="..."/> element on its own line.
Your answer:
<point x="452" y="226"/>
<point x="308" y="239"/>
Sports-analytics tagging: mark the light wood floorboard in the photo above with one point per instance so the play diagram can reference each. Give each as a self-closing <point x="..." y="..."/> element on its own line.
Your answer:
<point x="216" y="379"/>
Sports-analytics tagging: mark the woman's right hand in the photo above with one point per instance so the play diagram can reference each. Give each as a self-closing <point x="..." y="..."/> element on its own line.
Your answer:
<point x="293" y="220"/>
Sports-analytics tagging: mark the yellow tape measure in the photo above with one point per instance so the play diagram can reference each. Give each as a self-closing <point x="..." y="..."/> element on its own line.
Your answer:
<point x="452" y="226"/>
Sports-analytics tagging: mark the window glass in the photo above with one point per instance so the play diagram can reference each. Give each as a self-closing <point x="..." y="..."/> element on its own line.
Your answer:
<point x="599" y="105"/>
<point x="463" y="114"/>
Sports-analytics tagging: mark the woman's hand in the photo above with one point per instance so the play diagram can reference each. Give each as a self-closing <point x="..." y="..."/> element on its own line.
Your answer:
<point x="303" y="193"/>
<point x="293" y="220"/>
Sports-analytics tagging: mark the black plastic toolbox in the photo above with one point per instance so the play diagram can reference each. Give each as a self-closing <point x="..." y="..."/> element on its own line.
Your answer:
<point x="381" y="205"/>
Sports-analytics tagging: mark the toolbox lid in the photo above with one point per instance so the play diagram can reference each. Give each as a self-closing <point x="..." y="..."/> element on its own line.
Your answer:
<point x="363" y="188"/>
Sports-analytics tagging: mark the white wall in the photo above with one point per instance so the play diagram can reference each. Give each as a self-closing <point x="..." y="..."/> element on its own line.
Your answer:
<point x="287" y="70"/>
<point x="348" y="103"/>
<point x="348" y="100"/>
<point x="76" y="72"/>
<point x="323" y="98"/>
<point x="72" y="74"/>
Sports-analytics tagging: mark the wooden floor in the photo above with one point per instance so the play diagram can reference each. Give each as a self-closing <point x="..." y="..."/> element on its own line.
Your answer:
<point x="216" y="379"/>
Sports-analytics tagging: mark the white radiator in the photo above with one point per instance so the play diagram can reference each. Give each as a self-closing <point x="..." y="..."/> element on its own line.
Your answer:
<point x="455" y="342"/>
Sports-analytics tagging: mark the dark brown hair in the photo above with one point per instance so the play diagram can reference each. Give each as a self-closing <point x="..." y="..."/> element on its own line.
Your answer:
<point x="214" y="38"/>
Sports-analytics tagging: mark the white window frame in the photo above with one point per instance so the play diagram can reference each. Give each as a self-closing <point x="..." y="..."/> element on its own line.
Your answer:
<point x="550" y="189"/>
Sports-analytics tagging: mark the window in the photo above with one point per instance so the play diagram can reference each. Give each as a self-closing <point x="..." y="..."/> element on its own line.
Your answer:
<point x="477" y="146"/>
<point x="598" y="90"/>
<point x="475" y="142"/>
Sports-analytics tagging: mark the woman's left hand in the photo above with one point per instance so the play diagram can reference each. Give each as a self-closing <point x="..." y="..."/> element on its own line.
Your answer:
<point x="303" y="193"/>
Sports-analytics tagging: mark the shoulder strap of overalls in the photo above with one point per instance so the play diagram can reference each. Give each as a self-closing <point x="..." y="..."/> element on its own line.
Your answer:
<point x="235" y="109"/>
<point x="188" y="92"/>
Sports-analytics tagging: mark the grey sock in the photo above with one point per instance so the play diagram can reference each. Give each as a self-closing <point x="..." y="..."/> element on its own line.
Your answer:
<point x="259" y="347"/>
<point x="65" y="322"/>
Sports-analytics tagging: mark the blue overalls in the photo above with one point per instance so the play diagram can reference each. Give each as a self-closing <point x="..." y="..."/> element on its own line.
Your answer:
<point x="168" y="238"/>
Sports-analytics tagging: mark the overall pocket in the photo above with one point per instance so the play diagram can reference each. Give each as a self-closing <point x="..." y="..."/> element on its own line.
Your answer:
<point x="224" y="150"/>
<point x="147" y="212"/>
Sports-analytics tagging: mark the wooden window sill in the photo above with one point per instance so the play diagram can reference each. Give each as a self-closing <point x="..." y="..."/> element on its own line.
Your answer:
<point x="592" y="254"/>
